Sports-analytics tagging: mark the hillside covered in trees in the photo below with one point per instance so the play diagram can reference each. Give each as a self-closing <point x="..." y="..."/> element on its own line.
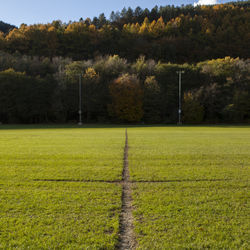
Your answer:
<point x="170" y="34"/>
<point x="128" y="65"/>
<point x="6" y="27"/>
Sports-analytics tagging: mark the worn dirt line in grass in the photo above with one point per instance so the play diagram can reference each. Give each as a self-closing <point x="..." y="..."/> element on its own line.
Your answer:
<point x="127" y="237"/>
<point x="139" y="181"/>
<point x="184" y="180"/>
<point x="69" y="180"/>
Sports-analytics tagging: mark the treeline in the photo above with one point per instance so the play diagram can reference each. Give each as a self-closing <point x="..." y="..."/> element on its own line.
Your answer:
<point x="170" y="34"/>
<point x="41" y="89"/>
<point x="6" y="27"/>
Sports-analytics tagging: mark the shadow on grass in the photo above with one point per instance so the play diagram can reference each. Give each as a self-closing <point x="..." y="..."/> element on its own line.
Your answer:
<point x="139" y="181"/>
<point x="77" y="180"/>
<point x="91" y="126"/>
<point x="184" y="180"/>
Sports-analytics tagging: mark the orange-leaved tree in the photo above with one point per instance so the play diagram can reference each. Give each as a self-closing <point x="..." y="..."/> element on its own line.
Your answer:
<point x="127" y="98"/>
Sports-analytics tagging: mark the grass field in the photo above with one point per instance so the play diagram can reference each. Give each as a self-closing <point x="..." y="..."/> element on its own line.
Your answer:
<point x="193" y="190"/>
<point x="57" y="153"/>
<point x="38" y="214"/>
<point x="59" y="215"/>
<point x="59" y="187"/>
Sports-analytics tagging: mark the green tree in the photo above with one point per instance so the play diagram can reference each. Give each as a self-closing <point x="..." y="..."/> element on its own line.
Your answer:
<point x="152" y="100"/>
<point x="193" y="111"/>
<point x="91" y="95"/>
<point x="24" y="99"/>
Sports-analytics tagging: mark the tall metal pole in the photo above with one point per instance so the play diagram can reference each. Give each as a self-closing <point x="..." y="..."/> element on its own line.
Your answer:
<point x="179" y="110"/>
<point x="80" y="100"/>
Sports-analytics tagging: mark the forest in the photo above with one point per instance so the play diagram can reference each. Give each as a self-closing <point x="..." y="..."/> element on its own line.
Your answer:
<point x="127" y="67"/>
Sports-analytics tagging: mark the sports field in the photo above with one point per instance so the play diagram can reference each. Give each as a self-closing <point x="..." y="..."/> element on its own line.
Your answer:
<point x="63" y="187"/>
<point x="192" y="189"/>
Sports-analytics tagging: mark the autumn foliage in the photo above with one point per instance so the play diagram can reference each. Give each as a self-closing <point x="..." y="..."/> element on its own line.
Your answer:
<point x="127" y="98"/>
<point x="127" y="67"/>
<point x="36" y="90"/>
<point x="166" y="33"/>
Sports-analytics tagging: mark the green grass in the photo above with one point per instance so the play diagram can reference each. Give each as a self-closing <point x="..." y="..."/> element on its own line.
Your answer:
<point x="60" y="214"/>
<point x="72" y="154"/>
<point x="203" y="201"/>
<point x="190" y="191"/>
<point x="189" y="153"/>
<point x="192" y="215"/>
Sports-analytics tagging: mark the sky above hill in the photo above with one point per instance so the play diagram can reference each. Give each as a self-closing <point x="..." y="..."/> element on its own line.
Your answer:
<point x="43" y="11"/>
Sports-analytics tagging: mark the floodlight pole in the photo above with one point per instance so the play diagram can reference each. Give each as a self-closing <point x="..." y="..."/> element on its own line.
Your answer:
<point x="179" y="110"/>
<point x="80" y="100"/>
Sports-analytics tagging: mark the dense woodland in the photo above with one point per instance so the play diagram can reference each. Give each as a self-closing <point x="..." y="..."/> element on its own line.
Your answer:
<point x="127" y="66"/>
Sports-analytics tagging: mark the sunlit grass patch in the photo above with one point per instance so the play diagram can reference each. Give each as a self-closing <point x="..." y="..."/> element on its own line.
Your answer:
<point x="196" y="187"/>
<point x="60" y="187"/>
<point x="196" y="215"/>
<point x="59" y="215"/>
<point x="80" y="154"/>
<point x="189" y="153"/>
<point x="44" y="202"/>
